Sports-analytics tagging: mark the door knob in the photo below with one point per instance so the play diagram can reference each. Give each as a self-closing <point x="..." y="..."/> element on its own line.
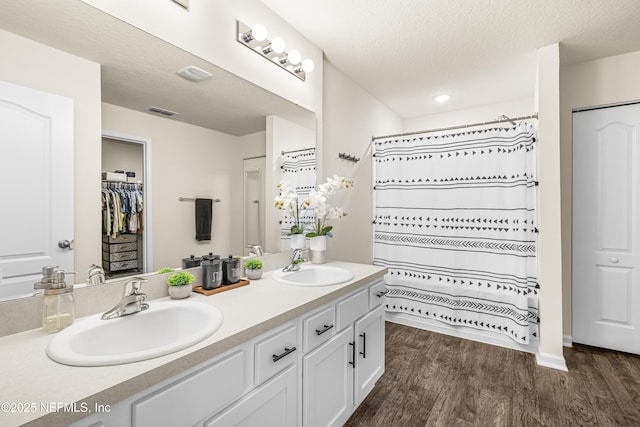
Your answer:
<point x="613" y="260"/>
<point x="64" y="244"/>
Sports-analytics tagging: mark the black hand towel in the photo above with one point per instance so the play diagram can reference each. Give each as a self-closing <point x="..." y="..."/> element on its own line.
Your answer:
<point x="204" y="212"/>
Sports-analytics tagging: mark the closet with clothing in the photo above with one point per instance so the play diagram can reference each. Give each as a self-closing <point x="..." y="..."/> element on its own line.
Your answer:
<point x="122" y="207"/>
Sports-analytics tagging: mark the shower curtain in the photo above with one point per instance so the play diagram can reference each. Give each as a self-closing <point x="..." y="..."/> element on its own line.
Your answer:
<point x="298" y="169"/>
<point x="454" y="222"/>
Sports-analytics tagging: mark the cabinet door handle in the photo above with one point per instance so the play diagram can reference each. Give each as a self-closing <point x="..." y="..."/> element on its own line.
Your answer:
<point x="287" y="351"/>
<point x="364" y="345"/>
<point x="381" y="294"/>
<point x="353" y="353"/>
<point x="322" y="331"/>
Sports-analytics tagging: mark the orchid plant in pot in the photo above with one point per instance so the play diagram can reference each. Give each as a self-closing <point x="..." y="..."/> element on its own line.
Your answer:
<point x="288" y="201"/>
<point x="323" y="212"/>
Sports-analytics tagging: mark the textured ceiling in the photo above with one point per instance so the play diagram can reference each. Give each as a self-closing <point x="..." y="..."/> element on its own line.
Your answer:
<point x="139" y="70"/>
<point x="480" y="51"/>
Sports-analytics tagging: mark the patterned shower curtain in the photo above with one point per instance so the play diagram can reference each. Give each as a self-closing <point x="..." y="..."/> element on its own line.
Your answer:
<point x="455" y="224"/>
<point x="299" y="169"/>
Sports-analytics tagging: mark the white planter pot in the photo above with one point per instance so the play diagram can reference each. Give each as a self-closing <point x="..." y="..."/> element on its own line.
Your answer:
<point x="180" y="292"/>
<point x="297" y="241"/>
<point x="253" y="274"/>
<point x="318" y="247"/>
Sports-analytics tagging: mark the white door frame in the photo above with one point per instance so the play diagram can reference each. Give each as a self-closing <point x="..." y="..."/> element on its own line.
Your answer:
<point x="147" y="238"/>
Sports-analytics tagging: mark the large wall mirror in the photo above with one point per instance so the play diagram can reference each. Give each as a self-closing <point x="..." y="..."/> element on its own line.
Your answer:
<point x="204" y="151"/>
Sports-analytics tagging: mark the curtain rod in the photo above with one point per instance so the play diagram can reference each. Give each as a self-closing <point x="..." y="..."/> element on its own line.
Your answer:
<point x="295" y="151"/>
<point x="506" y="119"/>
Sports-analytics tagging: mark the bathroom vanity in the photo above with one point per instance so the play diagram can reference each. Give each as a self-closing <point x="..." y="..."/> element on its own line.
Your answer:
<point x="285" y="355"/>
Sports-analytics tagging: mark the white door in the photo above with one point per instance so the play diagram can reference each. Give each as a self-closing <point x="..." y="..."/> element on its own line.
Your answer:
<point x="606" y="228"/>
<point x="36" y="186"/>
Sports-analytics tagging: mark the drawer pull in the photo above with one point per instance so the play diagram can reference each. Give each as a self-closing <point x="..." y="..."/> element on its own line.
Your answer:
<point x="381" y="294"/>
<point x="322" y="331"/>
<point x="353" y="353"/>
<point x="287" y="351"/>
<point x="364" y="345"/>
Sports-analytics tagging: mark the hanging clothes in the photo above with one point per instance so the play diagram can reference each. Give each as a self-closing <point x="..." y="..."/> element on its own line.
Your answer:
<point x="122" y="206"/>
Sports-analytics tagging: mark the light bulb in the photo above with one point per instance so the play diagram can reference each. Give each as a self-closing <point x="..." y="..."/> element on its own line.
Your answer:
<point x="259" y="32"/>
<point x="277" y="45"/>
<point x="442" y="98"/>
<point x="308" y="65"/>
<point x="294" y="57"/>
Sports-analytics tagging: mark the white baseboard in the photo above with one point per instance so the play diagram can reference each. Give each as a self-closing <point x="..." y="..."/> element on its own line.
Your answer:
<point x="460" y="332"/>
<point x="551" y="361"/>
<point x="567" y="341"/>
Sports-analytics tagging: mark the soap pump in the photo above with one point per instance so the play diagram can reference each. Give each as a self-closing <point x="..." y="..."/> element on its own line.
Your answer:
<point x="59" y="306"/>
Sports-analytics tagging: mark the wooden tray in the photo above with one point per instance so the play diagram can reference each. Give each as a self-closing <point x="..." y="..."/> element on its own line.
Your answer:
<point x="200" y="290"/>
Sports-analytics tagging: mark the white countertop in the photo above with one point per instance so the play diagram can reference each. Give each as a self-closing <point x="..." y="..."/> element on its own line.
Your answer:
<point x="29" y="378"/>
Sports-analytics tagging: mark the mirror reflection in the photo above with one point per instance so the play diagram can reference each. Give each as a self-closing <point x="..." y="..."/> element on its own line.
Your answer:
<point x="208" y="150"/>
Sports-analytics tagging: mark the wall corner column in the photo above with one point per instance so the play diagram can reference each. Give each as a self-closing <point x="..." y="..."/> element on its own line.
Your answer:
<point x="550" y="351"/>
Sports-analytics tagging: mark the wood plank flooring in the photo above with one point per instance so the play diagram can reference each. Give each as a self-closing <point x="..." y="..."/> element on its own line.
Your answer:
<point x="438" y="380"/>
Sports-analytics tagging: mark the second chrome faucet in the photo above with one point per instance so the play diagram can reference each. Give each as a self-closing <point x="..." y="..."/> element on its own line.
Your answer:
<point x="295" y="261"/>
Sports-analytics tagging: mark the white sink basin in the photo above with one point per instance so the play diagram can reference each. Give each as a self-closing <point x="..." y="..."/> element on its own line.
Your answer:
<point x="313" y="275"/>
<point x="165" y="327"/>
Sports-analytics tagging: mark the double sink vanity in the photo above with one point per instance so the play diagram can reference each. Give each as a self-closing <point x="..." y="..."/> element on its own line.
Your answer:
<point x="293" y="348"/>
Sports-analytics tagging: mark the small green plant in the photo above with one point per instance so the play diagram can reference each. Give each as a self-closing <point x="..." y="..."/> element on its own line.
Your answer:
<point x="165" y="270"/>
<point x="253" y="264"/>
<point x="180" y="278"/>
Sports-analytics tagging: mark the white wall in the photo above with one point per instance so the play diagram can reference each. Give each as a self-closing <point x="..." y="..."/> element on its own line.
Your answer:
<point x="479" y="114"/>
<point x="548" y="207"/>
<point x="189" y="161"/>
<point x="34" y="65"/>
<point x="120" y="155"/>
<point x="351" y="118"/>
<point x="601" y="82"/>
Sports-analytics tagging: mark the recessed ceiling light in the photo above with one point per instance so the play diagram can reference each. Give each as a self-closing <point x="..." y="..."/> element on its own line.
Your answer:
<point x="442" y="98"/>
<point x="194" y="73"/>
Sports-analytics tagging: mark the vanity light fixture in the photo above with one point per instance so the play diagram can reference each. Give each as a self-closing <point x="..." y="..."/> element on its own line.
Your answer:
<point x="255" y="38"/>
<point x="442" y="98"/>
<point x="194" y="73"/>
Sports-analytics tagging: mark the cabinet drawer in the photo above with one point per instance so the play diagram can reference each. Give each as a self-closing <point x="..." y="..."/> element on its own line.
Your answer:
<point x="189" y="400"/>
<point x="318" y="328"/>
<point x="120" y="256"/>
<point x="121" y="238"/>
<point x="119" y="265"/>
<point x="377" y="292"/>
<point x="120" y="247"/>
<point x="274" y="353"/>
<point x="352" y="308"/>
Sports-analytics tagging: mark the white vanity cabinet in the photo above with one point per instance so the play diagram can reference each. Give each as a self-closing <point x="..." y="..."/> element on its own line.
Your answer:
<point x="338" y="375"/>
<point x="313" y="370"/>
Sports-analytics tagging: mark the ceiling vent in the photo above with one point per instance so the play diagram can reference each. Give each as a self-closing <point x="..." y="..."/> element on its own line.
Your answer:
<point x="161" y="111"/>
<point x="194" y="73"/>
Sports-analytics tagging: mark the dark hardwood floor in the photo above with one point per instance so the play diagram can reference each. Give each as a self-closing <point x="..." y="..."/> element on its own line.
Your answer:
<point x="438" y="380"/>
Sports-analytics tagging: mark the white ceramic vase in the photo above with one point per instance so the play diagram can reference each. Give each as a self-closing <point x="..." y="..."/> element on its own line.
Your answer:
<point x="253" y="274"/>
<point x="318" y="249"/>
<point x="180" y="292"/>
<point x="297" y="241"/>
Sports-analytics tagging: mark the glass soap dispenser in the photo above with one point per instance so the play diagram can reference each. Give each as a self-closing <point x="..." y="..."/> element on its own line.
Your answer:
<point x="59" y="306"/>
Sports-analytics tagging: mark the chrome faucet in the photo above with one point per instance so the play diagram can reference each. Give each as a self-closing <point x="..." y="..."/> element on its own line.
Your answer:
<point x="295" y="261"/>
<point x="256" y="250"/>
<point x="132" y="300"/>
